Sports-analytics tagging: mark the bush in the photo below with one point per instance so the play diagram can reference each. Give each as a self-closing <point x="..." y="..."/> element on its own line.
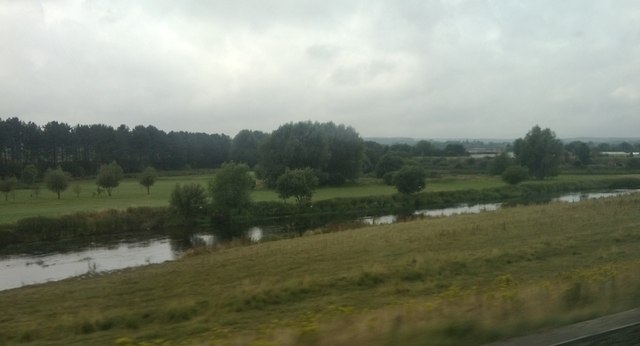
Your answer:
<point x="188" y="200"/>
<point x="298" y="183"/>
<point x="409" y="180"/>
<point x="514" y="175"/>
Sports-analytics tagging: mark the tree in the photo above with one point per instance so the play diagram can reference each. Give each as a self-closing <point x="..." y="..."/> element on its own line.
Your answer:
<point x="499" y="164"/>
<point x="148" y="177"/>
<point x="373" y="151"/>
<point x="77" y="189"/>
<point x="424" y="148"/>
<point x="540" y="152"/>
<point x="580" y="152"/>
<point x="56" y="180"/>
<point x="245" y="147"/>
<point x="29" y="175"/>
<point x="334" y="152"/>
<point x="7" y="185"/>
<point x="188" y="200"/>
<point x="109" y="176"/>
<point x="346" y="151"/>
<point x="514" y="175"/>
<point x="409" y="180"/>
<point x="456" y="149"/>
<point x="231" y="186"/>
<point x="298" y="183"/>
<point x="388" y="163"/>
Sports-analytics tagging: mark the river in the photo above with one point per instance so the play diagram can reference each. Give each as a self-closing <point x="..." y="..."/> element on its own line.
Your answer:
<point x="42" y="262"/>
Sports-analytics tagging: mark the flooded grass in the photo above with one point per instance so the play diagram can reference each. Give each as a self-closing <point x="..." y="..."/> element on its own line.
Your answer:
<point x="468" y="279"/>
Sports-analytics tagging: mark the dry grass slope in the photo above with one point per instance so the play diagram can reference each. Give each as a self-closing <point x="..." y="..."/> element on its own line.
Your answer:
<point x="467" y="279"/>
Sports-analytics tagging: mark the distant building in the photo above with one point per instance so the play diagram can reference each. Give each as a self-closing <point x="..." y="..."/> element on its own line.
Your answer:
<point x="479" y="153"/>
<point x="620" y="153"/>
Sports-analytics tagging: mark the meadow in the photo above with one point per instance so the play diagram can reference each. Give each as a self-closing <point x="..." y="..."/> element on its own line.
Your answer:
<point x="131" y="194"/>
<point x="468" y="279"/>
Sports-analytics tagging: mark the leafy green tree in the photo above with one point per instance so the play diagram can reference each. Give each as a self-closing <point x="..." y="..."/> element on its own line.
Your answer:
<point x="245" y="147"/>
<point x="29" y="175"/>
<point x="334" y="152"/>
<point x="298" y="183"/>
<point x="373" y="151"/>
<point x="540" y="152"/>
<point x="109" y="177"/>
<point x="7" y="185"/>
<point x="388" y="163"/>
<point x="148" y="177"/>
<point x="56" y="180"/>
<point x="424" y="148"/>
<point x="514" y="175"/>
<point x="409" y="180"/>
<point x="499" y="164"/>
<point x="77" y="189"/>
<point x="293" y="146"/>
<point x="455" y="149"/>
<point x="580" y="152"/>
<point x="346" y="152"/>
<point x="231" y="187"/>
<point x="188" y="200"/>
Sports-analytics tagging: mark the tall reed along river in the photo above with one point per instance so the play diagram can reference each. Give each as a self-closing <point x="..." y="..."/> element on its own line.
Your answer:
<point x="42" y="262"/>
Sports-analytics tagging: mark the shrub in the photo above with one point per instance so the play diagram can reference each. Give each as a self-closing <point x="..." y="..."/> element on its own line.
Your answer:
<point x="188" y="200"/>
<point x="409" y="180"/>
<point x="298" y="183"/>
<point x="514" y="175"/>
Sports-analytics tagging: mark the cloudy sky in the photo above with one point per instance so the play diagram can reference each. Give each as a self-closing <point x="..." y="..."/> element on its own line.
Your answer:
<point x="424" y="69"/>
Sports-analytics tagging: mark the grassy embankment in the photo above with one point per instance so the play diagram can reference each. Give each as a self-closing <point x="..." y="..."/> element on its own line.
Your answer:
<point x="461" y="280"/>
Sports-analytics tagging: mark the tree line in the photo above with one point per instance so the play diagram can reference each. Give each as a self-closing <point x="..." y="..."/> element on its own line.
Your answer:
<point x="82" y="149"/>
<point x="334" y="152"/>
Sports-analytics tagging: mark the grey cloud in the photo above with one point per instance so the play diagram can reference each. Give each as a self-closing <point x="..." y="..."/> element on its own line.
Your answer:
<point x="412" y="68"/>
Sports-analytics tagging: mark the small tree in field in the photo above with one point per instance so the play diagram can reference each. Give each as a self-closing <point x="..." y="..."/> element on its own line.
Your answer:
<point x="77" y="189"/>
<point x="7" y="185"/>
<point x="514" y="175"/>
<point x="56" y="180"/>
<point x="231" y="187"/>
<point x="409" y="180"/>
<point x="148" y="177"/>
<point x="188" y="200"/>
<point x="109" y="177"/>
<point x="298" y="183"/>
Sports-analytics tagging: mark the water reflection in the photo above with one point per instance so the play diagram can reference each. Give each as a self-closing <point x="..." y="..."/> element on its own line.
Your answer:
<point x="461" y="209"/>
<point x="577" y="197"/>
<point x="20" y="270"/>
<point x="254" y="234"/>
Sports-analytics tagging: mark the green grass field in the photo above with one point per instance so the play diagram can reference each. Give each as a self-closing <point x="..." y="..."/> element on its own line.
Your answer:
<point x="466" y="280"/>
<point x="130" y="193"/>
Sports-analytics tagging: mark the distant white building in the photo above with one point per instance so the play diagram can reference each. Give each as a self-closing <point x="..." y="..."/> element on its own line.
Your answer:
<point x="619" y="153"/>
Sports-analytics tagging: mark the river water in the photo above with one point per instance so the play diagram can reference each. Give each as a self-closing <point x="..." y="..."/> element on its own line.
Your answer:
<point x="38" y="263"/>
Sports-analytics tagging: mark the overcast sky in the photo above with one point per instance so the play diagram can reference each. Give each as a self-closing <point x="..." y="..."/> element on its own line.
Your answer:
<point x="423" y="69"/>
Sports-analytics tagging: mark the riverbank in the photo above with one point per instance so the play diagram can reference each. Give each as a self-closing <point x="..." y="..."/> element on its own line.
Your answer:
<point x="130" y="194"/>
<point x="468" y="279"/>
<point x="146" y="219"/>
